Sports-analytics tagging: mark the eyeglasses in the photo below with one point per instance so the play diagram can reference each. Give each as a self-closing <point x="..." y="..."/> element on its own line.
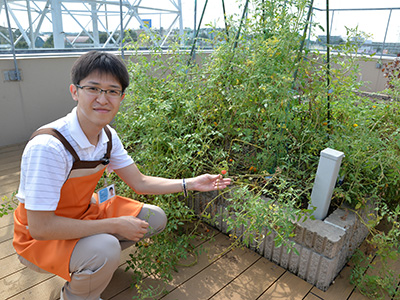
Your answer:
<point x="95" y="91"/>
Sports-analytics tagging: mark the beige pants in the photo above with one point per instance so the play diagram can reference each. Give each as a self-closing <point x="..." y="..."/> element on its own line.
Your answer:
<point x="95" y="258"/>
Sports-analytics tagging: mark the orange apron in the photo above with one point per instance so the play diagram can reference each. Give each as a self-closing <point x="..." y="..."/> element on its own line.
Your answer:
<point x="76" y="201"/>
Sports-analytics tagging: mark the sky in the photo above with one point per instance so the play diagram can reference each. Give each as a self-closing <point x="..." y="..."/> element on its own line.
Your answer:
<point x="373" y="22"/>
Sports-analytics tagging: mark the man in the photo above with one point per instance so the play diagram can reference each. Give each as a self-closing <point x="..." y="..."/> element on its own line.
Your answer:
<point x="59" y="227"/>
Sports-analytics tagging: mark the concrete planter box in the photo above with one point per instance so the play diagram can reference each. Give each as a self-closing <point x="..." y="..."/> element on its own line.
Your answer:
<point x="324" y="247"/>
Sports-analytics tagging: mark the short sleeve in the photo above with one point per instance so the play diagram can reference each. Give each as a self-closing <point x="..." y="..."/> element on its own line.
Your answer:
<point x="44" y="169"/>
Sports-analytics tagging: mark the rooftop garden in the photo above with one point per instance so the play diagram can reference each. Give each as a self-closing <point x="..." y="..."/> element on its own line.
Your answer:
<point x="261" y="108"/>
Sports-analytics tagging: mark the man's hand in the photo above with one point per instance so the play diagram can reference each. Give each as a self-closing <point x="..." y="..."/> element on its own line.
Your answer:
<point x="132" y="228"/>
<point x="207" y="182"/>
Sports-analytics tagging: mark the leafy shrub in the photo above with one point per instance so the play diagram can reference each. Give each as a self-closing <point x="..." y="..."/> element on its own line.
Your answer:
<point x="241" y="109"/>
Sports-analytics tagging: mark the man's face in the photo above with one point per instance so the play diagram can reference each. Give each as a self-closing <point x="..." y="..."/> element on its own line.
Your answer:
<point x="96" y="110"/>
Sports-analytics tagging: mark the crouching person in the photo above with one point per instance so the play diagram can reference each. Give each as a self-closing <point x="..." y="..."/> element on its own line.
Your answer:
<point x="60" y="225"/>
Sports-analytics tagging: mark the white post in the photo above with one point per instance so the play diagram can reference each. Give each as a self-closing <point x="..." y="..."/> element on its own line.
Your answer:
<point x="95" y="20"/>
<point x="325" y="180"/>
<point x="56" y="19"/>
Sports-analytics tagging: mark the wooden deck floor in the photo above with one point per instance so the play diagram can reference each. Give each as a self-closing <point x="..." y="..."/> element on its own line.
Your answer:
<point x="239" y="274"/>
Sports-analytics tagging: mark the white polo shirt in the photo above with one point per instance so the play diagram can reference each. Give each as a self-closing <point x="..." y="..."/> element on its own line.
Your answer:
<point x="46" y="163"/>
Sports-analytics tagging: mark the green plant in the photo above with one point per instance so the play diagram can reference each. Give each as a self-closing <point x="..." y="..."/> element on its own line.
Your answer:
<point x="373" y="271"/>
<point x="7" y="206"/>
<point x="158" y="257"/>
<point x="393" y="85"/>
<point x="391" y="71"/>
<point x="253" y="211"/>
<point x="241" y="110"/>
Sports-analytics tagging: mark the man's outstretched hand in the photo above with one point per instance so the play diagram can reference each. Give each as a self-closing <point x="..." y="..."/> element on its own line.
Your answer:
<point x="207" y="182"/>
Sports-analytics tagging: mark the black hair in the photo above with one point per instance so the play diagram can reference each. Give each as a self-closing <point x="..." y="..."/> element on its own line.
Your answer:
<point x="102" y="62"/>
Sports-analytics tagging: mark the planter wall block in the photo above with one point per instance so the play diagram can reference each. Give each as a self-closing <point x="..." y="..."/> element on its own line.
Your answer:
<point x="324" y="247"/>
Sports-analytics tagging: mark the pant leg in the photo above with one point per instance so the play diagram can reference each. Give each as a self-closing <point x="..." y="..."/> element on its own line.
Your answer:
<point x="156" y="218"/>
<point x="30" y="265"/>
<point x="93" y="263"/>
<point x="95" y="258"/>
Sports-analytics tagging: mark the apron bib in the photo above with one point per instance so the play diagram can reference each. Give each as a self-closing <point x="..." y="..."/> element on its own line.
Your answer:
<point x="77" y="201"/>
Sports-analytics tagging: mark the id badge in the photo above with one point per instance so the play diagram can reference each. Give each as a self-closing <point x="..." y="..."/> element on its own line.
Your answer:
<point x="106" y="193"/>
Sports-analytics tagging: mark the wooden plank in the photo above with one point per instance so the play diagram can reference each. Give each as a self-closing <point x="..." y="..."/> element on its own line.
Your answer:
<point x="10" y="160"/>
<point x="288" y="287"/>
<point x="10" y="178"/>
<point x="48" y="289"/>
<point x="10" y="265"/>
<point x="251" y="283"/>
<point x="311" y="296"/>
<point x="122" y="281"/>
<point x="209" y="250"/>
<point x="8" y="192"/>
<point x="11" y="148"/>
<point x="216" y="276"/>
<point x="395" y="267"/>
<point x="358" y="296"/>
<point x="6" y="249"/>
<point x="10" y="165"/>
<point x="6" y="220"/>
<point x="11" y="152"/>
<point x="340" y="288"/>
<point x="6" y="233"/>
<point x="20" y="281"/>
<point x="376" y="265"/>
<point x="51" y="287"/>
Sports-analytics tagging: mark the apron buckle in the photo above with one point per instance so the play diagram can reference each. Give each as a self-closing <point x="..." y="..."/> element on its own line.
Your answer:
<point x="105" y="161"/>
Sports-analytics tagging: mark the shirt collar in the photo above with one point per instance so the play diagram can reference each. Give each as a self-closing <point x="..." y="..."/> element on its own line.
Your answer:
<point x="79" y="136"/>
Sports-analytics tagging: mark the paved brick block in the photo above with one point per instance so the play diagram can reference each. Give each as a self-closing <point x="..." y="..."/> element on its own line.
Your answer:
<point x="309" y="236"/>
<point x="306" y="229"/>
<point x="319" y="242"/>
<point x="313" y="267"/>
<point x="342" y="217"/>
<point x="329" y="239"/>
<point x="299" y="233"/>
<point x="294" y="259"/>
<point x="219" y="217"/>
<point x="342" y="258"/>
<point x="324" y="247"/>
<point x="261" y="243"/>
<point x="285" y="256"/>
<point x="327" y="272"/>
<point x="276" y="255"/>
<point x="334" y="242"/>
<point x="224" y="224"/>
<point x="258" y="242"/>
<point x="269" y="244"/>
<point x="305" y="255"/>
<point x="239" y="231"/>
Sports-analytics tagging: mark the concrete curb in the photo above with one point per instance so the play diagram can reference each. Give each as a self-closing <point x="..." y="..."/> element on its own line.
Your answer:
<point x="324" y="247"/>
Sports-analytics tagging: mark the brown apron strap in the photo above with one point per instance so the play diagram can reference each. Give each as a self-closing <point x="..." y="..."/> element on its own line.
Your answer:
<point x="109" y="144"/>
<point x="58" y="136"/>
<point x="78" y="164"/>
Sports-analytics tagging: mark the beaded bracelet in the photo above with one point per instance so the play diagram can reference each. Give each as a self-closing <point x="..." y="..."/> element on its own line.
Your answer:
<point x="184" y="187"/>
